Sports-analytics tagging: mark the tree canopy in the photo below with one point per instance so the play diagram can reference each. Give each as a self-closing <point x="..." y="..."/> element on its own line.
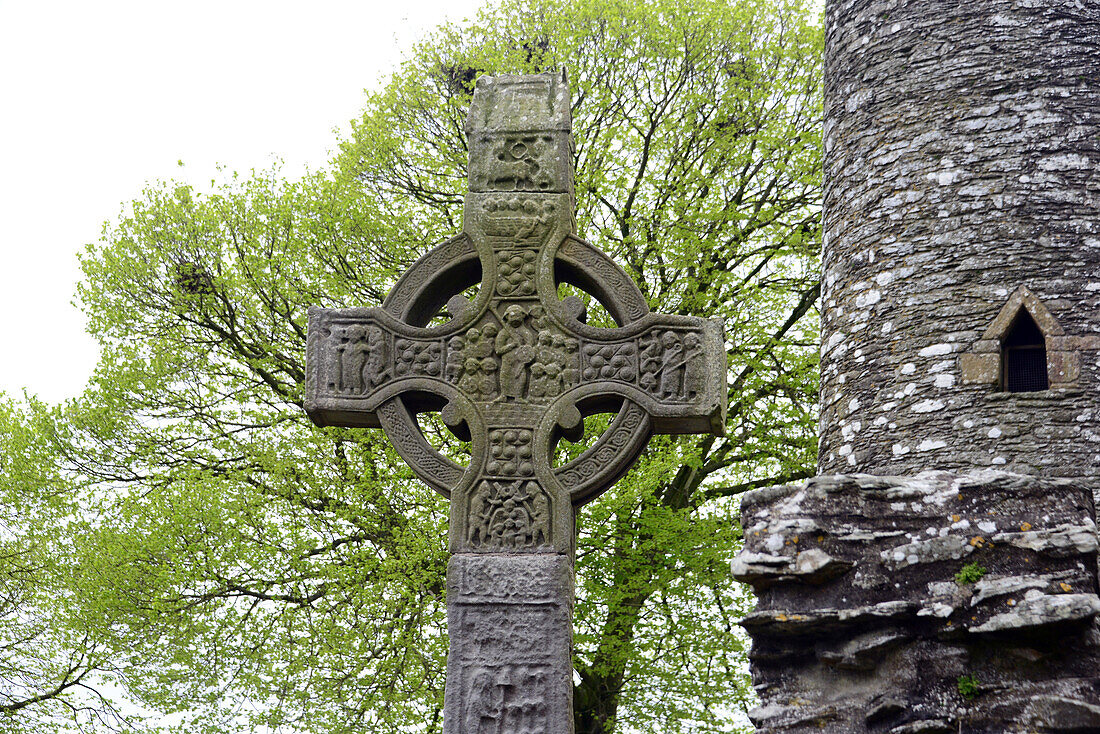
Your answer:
<point x="182" y="550"/>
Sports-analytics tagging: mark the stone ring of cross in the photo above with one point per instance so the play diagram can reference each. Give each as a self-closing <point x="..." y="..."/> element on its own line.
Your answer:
<point x="516" y="368"/>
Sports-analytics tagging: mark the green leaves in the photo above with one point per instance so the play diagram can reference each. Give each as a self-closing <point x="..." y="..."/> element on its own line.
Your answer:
<point x="185" y="539"/>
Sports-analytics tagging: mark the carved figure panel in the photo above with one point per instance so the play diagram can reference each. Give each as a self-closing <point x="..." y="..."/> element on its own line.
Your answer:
<point x="517" y="221"/>
<point x="509" y="515"/>
<point x="673" y="365"/>
<point x="515" y="345"/>
<point x="507" y="699"/>
<point x="360" y="362"/>
<point x="473" y="364"/>
<point x="521" y="162"/>
<point x="510" y="579"/>
<point x="515" y="632"/>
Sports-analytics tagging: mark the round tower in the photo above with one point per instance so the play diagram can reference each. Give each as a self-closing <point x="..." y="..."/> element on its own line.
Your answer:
<point x="961" y="294"/>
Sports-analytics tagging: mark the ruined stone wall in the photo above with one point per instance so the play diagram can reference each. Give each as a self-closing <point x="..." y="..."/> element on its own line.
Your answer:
<point x="962" y="161"/>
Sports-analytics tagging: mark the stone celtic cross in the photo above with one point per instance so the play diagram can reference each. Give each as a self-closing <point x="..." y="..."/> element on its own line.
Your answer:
<point x="512" y="371"/>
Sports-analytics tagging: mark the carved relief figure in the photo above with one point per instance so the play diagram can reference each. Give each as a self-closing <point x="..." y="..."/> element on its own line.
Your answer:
<point x="355" y="360"/>
<point x="516" y="164"/>
<point x="509" y="515"/>
<point x="672" y="365"/>
<point x="341" y="364"/>
<point x="571" y="373"/>
<point x="517" y="221"/>
<point x="360" y="359"/>
<point x="546" y="370"/>
<point x="540" y="519"/>
<point x="694" y="377"/>
<point x="515" y="347"/>
<point x="470" y="381"/>
<point x="477" y="530"/>
<point x="455" y="348"/>
<point x="376" y="368"/>
<point x="527" y="710"/>
<point x="485" y="704"/>
<point x="487" y="361"/>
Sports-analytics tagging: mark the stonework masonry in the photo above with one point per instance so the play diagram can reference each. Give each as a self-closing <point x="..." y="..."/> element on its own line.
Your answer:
<point x="940" y="575"/>
<point x="862" y="626"/>
<point x="512" y="371"/>
<point x="962" y="162"/>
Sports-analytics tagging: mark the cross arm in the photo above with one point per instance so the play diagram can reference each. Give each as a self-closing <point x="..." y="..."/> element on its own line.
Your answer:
<point x="673" y="367"/>
<point x="359" y="358"/>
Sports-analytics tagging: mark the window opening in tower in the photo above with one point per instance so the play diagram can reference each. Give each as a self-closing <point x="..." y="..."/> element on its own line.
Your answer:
<point x="1024" y="356"/>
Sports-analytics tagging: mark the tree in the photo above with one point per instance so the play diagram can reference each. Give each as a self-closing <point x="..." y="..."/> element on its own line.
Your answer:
<point x="233" y="567"/>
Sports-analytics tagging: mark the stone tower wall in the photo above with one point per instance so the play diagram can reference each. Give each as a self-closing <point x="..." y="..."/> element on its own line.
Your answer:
<point x="962" y="188"/>
<point x="962" y="161"/>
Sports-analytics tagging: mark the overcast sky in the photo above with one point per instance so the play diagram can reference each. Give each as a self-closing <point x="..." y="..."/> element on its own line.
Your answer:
<point x="98" y="98"/>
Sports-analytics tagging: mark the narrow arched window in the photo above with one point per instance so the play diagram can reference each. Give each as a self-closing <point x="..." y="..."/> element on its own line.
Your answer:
<point x="1024" y="356"/>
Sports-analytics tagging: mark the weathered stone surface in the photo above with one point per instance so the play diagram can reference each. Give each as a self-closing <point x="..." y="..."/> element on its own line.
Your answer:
<point x="510" y="661"/>
<point x="836" y="654"/>
<point x="962" y="181"/>
<point x="1059" y="713"/>
<point x="512" y="372"/>
<point x="517" y="368"/>
<point x="1041" y="610"/>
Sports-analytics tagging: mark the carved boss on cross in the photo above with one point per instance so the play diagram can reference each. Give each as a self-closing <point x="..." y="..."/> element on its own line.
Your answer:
<point x="517" y="367"/>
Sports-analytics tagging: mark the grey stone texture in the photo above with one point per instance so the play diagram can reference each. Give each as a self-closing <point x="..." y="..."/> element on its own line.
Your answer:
<point x="861" y="625"/>
<point x="962" y="189"/>
<point x="511" y="624"/>
<point x="512" y="371"/>
<point x="962" y="182"/>
<point x="517" y="368"/>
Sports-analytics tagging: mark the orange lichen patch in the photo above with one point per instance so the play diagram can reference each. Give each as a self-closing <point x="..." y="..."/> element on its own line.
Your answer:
<point x="956" y="518"/>
<point x="820" y="538"/>
<point x="794" y="540"/>
<point x="1012" y="602"/>
<point x="1065" y="587"/>
<point x="978" y="541"/>
<point x="960" y="496"/>
<point x="1025" y="527"/>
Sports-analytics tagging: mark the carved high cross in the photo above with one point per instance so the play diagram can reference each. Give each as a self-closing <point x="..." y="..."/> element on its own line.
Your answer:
<point x="513" y="371"/>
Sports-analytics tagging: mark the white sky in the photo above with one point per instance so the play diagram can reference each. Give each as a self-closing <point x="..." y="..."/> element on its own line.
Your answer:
<point x="98" y="98"/>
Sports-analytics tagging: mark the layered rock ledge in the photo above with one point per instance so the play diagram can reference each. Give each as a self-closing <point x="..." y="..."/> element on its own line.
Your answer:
<point x="934" y="603"/>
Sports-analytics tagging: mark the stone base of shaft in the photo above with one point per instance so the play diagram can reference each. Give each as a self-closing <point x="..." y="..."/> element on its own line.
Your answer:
<point x="510" y="620"/>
